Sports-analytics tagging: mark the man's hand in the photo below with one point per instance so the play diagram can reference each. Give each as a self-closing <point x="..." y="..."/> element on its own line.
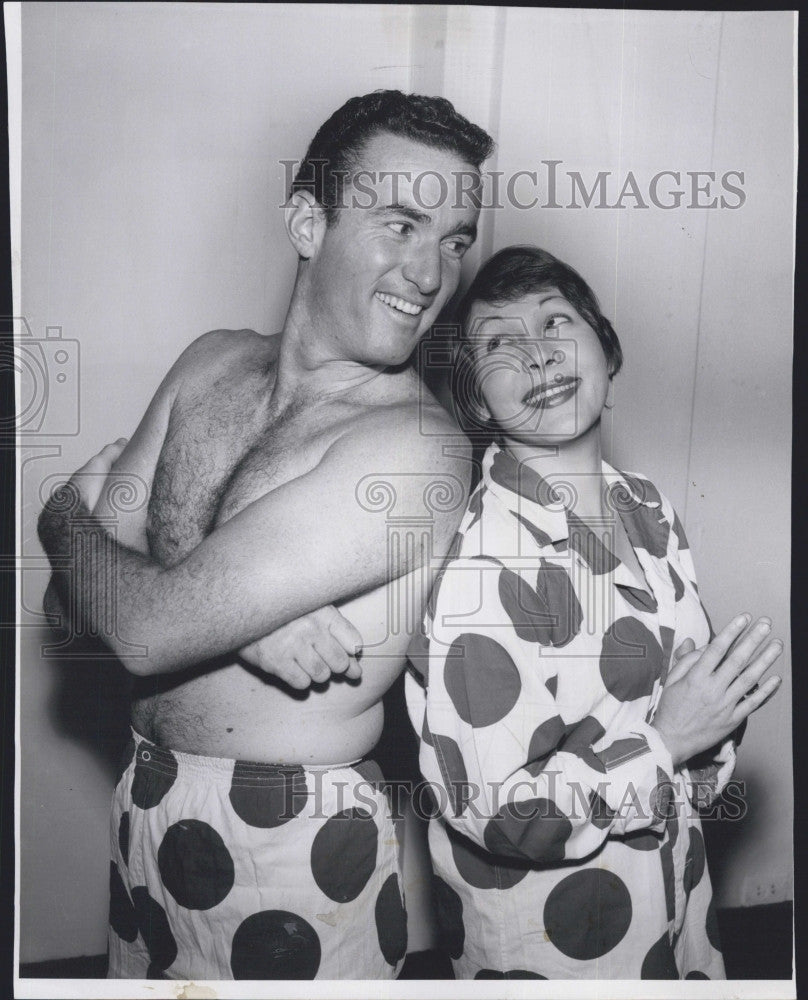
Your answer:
<point x="711" y="690"/>
<point x="309" y="649"/>
<point x="90" y="479"/>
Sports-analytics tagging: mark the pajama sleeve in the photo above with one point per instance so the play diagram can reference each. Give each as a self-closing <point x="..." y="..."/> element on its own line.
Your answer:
<point x="709" y="771"/>
<point x="508" y="771"/>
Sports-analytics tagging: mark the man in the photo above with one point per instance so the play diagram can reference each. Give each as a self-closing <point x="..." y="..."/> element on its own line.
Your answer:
<point x="275" y="468"/>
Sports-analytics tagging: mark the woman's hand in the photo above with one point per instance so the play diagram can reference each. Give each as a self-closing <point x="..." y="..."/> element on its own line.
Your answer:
<point x="711" y="690"/>
<point x="308" y="650"/>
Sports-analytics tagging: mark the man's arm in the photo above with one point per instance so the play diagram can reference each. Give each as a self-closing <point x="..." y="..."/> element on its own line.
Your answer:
<point x="127" y="486"/>
<point x="316" y="540"/>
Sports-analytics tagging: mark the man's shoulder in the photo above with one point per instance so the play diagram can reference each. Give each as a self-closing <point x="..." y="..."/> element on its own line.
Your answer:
<point x="406" y="457"/>
<point x="217" y="349"/>
<point x="413" y="432"/>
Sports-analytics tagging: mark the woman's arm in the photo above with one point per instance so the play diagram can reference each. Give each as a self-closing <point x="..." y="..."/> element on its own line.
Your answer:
<point x="511" y="774"/>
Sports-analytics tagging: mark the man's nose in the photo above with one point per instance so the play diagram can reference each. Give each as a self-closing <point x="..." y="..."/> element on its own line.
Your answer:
<point x="423" y="269"/>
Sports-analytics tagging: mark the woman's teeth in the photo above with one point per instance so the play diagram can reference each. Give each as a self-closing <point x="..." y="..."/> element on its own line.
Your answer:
<point x="555" y="391"/>
<point x="401" y="304"/>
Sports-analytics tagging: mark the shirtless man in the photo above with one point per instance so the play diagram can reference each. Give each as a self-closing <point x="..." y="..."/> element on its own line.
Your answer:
<point x="240" y="849"/>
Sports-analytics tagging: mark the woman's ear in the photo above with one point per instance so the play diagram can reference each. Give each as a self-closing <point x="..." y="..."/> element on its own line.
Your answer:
<point x="466" y="388"/>
<point x="305" y="223"/>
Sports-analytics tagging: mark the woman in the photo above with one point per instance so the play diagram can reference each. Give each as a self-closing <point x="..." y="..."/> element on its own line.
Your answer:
<point x="570" y="703"/>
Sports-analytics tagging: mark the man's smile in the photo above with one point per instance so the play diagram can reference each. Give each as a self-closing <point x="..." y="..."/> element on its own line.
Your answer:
<point x="401" y="305"/>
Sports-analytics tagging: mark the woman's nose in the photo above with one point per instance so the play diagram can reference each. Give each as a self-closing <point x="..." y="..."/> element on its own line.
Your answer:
<point x="554" y="357"/>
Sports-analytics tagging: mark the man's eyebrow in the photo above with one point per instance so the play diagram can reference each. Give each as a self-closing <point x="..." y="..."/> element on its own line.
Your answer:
<point x="464" y="229"/>
<point x="406" y="210"/>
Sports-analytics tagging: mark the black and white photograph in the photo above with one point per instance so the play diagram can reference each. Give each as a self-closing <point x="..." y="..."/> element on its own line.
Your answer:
<point x="403" y="424"/>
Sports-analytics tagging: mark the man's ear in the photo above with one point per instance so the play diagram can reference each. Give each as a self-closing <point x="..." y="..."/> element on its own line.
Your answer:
<point x="305" y="223"/>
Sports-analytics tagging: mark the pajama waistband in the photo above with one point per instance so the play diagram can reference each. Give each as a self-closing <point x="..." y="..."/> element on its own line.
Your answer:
<point x="234" y="771"/>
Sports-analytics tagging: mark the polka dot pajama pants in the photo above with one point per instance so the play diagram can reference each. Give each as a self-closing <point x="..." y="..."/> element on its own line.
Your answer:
<point x="227" y="869"/>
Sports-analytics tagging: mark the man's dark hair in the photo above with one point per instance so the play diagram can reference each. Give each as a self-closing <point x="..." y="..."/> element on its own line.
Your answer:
<point x="517" y="271"/>
<point x="336" y="148"/>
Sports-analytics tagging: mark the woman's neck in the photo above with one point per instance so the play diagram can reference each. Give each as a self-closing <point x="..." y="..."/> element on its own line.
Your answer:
<point x="577" y="462"/>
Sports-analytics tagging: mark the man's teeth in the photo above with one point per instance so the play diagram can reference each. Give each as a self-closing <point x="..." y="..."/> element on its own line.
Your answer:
<point x="401" y="304"/>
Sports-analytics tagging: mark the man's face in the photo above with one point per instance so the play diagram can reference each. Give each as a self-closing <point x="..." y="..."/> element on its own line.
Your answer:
<point x="384" y="270"/>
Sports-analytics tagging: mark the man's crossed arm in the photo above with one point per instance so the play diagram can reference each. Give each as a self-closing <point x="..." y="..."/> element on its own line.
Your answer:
<point x="307" y="544"/>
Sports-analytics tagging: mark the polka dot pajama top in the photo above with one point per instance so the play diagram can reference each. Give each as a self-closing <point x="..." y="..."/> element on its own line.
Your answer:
<point x="564" y="843"/>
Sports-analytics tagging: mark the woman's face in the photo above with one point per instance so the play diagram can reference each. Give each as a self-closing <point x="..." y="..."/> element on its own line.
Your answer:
<point x="540" y="368"/>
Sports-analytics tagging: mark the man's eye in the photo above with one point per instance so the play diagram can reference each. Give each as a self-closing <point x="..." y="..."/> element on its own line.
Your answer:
<point x="456" y="247"/>
<point x="555" y="321"/>
<point x="400" y="227"/>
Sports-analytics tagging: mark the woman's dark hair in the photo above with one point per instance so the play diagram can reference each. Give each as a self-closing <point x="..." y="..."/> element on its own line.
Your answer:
<point x="518" y="271"/>
<point x="336" y="148"/>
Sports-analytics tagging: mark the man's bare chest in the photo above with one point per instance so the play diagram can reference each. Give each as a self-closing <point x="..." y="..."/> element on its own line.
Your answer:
<point x="222" y="451"/>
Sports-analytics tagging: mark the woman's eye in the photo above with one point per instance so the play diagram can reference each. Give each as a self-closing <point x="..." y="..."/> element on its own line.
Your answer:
<point x="493" y="344"/>
<point x="555" y="321"/>
<point x="400" y="227"/>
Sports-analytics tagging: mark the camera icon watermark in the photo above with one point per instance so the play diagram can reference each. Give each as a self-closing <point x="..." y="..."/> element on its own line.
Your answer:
<point x="47" y="370"/>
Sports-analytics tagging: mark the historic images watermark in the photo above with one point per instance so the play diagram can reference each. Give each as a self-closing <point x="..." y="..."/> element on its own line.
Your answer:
<point x="547" y="185"/>
<point x="524" y="800"/>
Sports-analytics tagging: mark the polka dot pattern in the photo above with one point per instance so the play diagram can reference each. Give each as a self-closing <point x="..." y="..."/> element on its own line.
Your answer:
<point x="640" y="600"/>
<point x="391" y="922"/>
<point x="275" y="944"/>
<point x="643" y="840"/>
<point x="511" y="974"/>
<point x="195" y="865"/>
<point x="475" y="508"/>
<point x="630" y="660"/>
<point x="666" y="635"/>
<point x="449" y="917"/>
<point x="529" y="615"/>
<point x="557" y="595"/>
<point x="123" y="836"/>
<point x="122" y="915"/>
<point x="481" y="679"/>
<point x="601" y="814"/>
<point x="343" y="855"/>
<point x="544" y="742"/>
<point x="660" y="962"/>
<point x="589" y="547"/>
<point x="587" y="913"/>
<point x="266" y="800"/>
<point x="695" y="862"/>
<point x="679" y="531"/>
<point x="453" y="770"/>
<point x="155" y="773"/>
<point x="599" y="907"/>
<point x="540" y="537"/>
<point x="647" y="529"/>
<point x="678" y="586"/>
<point x="668" y="878"/>
<point x="521" y="479"/>
<point x="533" y="828"/>
<point x="477" y="868"/>
<point x="154" y="928"/>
